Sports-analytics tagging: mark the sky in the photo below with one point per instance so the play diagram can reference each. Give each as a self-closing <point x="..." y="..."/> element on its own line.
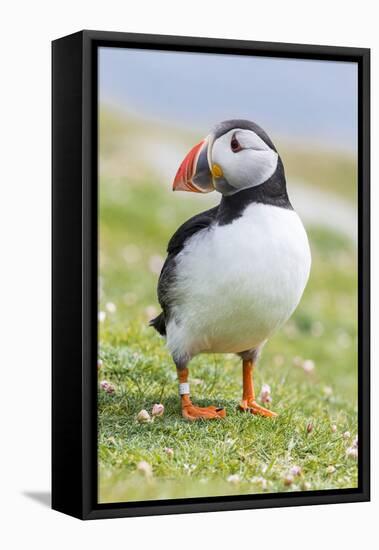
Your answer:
<point x="301" y="100"/>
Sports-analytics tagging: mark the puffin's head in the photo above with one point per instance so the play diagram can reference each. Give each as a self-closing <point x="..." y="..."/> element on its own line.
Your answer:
<point x="236" y="155"/>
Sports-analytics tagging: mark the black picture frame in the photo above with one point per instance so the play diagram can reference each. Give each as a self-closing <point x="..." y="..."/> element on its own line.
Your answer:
<point x="74" y="273"/>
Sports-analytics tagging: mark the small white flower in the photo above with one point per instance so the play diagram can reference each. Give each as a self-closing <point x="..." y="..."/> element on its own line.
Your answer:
<point x="265" y="395"/>
<point x="107" y="386"/>
<point x="101" y="316"/>
<point x="111" y="307"/>
<point x="263" y="483"/>
<point x="157" y="410"/>
<point x="346" y="435"/>
<point x="260" y="481"/>
<point x="352" y="452"/>
<point x="288" y="480"/>
<point x="330" y="470"/>
<point x="143" y="417"/>
<point x="169" y="452"/>
<point x="99" y="363"/>
<point x="333" y="428"/>
<point x="295" y="470"/>
<point x="234" y="479"/>
<point x="308" y="366"/>
<point x="145" y="468"/>
<point x="355" y="441"/>
<point x="306" y="486"/>
<point x="328" y="391"/>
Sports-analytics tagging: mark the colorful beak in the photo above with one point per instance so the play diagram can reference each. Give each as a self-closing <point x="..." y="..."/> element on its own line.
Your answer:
<point x="194" y="174"/>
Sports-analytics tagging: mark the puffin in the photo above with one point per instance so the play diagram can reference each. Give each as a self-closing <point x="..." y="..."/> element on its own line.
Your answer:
<point x="234" y="274"/>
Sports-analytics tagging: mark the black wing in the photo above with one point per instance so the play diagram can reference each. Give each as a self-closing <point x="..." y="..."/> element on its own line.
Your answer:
<point x="189" y="228"/>
<point x="175" y="245"/>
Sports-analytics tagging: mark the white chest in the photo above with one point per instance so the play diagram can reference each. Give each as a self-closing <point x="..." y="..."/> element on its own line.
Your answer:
<point x="237" y="283"/>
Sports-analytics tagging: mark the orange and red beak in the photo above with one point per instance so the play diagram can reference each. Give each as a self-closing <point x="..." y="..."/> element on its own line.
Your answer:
<point x="194" y="173"/>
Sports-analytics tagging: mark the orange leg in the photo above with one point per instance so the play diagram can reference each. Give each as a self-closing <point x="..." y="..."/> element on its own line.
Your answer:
<point x="190" y="411"/>
<point x="248" y="402"/>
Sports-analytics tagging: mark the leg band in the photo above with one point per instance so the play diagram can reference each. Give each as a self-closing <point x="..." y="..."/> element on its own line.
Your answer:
<point x="184" y="388"/>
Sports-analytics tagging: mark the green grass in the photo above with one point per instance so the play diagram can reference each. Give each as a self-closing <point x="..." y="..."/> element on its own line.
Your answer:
<point x="136" y="220"/>
<point x="330" y="171"/>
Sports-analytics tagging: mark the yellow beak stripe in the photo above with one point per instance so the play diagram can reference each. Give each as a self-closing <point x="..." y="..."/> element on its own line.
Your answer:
<point x="217" y="171"/>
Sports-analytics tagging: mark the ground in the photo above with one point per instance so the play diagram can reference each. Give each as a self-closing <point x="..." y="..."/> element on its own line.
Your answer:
<point x="310" y="366"/>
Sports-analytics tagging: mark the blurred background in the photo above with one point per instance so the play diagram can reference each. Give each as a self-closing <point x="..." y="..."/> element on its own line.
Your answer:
<point x="171" y="100"/>
<point x="153" y="107"/>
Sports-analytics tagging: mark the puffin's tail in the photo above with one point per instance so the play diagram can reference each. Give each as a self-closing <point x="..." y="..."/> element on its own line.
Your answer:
<point x="159" y="324"/>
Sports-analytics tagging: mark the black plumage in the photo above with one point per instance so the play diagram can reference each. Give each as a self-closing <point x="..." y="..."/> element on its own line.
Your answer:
<point x="175" y="245"/>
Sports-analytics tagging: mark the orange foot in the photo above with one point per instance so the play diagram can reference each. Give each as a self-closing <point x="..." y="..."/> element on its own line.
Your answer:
<point x="191" y="412"/>
<point x="253" y="407"/>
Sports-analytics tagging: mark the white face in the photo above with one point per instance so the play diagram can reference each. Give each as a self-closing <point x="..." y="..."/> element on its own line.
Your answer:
<point x="242" y="159"/>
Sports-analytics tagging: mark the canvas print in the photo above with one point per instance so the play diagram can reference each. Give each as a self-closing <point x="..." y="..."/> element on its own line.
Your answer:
<point x="227" y="309"/>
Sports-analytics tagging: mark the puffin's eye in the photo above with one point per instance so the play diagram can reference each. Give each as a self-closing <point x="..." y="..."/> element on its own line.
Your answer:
<point x="234" y="144"/>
